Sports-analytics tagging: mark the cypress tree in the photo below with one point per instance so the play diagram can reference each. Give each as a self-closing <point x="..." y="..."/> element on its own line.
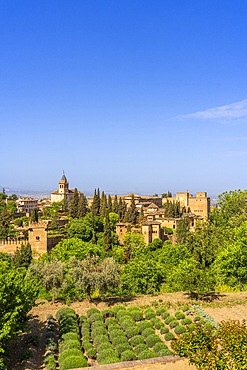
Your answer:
<point x="115" y="205"/>
<point x="107" y="233"/>
<point x="73" y="209"/>
<point x="96" y="203"/>
<point x="82" y="206"/>
<point x="34" y="217"/>
<point x="103" y="204"/>
<point x="131" y="214"/>
<point x="109" y="204"/>
<point x="122" y="209"/>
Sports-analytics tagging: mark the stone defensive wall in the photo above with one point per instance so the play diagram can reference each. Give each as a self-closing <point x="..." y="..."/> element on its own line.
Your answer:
<point x="11" y="244"/>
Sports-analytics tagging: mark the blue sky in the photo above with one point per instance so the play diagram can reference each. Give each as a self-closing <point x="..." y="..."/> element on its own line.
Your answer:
<point x="126" y="95"/>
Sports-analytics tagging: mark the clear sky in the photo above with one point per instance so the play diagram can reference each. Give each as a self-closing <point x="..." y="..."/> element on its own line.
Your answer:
<point x="126" y="95"/>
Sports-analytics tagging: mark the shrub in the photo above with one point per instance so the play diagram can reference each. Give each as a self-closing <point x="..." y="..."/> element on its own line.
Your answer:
<point x="173" y="324"/>
<point x="127" y="323"/>
<point x="120" y="348"/>
<point x="149" y="313"/>
<point x="112" y="327"/>
<point x="164" y="330"/>
<point x="152" y="339"/>
<point x="100" y="339"/>
<point x="92" y="311"/>
<point x="97" y="324"/>
<point x="51" y="345"/>
<point x="64" y="311"/>
<point x="128" y="355"/>
<point x="147" y="332"/>
<point x="140" y="348"/>
<point x="95" y="317"/>
<point x="185" y="308"/>
<point x="208" y="325"/>
<point x="133" y="308"/>
<point x="169" y="336"/>
<point x="91" y="352"/>
<point x="169" y="319"/>
<point x="98" y="331"/>
<point x="86" y="344"/>
<point x="121" y="313"/>
<point x="159" y="346"/>
<point x="146" y="354"/>
<point x="179" y="315"/>
<point x="109" y="360"/>
<point x="110" y="321"/>
<point x="50" y="362"/>
<point x="136" y="315"/>
<point x="118" y="340"/>
<point x="118" y="308"/>
<point x="115" y="333"/>
<point x="137" y="339"/>
<point x="68" y="353"/>
<point x="131" y="331"/>
<point x="197" y="319"/>
<point x="106" y="345"/>
<point x="73" y="362"/>
<point x="107" y="313"/>
<point x="180" y="329"/>
<point x="83" y="319"/>
<point x="107" y="353"/>
<point x="142" y="325"/>
<point x="69" y="344"/>
<point x="191" y="327"/>
<point x="160" y="311"/>
<point x="158" y="324"/>
<point x="186" y="321"/>
<point x="70" y="335"/>
<point x="164" y="315"/>
<point x="165" y="352"/>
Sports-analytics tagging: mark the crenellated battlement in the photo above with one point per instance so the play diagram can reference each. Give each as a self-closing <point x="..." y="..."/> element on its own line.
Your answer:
<point x="13" y="241"/>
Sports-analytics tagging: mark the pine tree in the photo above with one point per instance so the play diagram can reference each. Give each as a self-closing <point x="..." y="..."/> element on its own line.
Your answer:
<point x="73" y="209"/>
<point x="82" y="206"/>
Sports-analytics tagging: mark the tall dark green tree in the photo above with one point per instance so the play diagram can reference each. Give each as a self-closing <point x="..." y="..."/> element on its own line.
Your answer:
<point x="115" y="205"/>
<point x="183" y="230"/>
<point x="4" y="223"/>
<point x="122" y="208"/>
<point x="109" y="204"/>
<point x="96" y="203"/>
<point x="107" y="233"/>
<point x="34" y="217"/>
<point x="131" y="214"/>
<point x="103" y="204"/>
<point x="23" y="256"/>
<point x="74" y="205"/>
<point x="82" y="206"/>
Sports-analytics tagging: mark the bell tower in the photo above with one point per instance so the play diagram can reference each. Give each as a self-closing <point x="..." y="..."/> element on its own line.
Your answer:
<point x="63" y="186"/>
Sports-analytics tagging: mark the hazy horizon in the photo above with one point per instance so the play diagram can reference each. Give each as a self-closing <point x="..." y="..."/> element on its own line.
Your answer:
<point x="122" y="95"/>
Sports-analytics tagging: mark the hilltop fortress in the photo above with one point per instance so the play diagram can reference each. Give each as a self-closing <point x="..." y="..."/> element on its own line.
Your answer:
<point x="154" y="221"/>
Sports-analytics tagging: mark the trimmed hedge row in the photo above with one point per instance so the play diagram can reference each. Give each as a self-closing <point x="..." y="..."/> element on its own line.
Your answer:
<point x="70" y="354"/>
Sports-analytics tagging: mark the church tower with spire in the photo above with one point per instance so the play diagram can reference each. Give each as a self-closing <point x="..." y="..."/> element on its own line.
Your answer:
<point x="63" y="192"/>
<point x="63" y="185"/>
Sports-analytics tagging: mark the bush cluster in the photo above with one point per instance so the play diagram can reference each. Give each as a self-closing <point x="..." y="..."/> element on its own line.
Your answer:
<point x="70" y="354"/>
